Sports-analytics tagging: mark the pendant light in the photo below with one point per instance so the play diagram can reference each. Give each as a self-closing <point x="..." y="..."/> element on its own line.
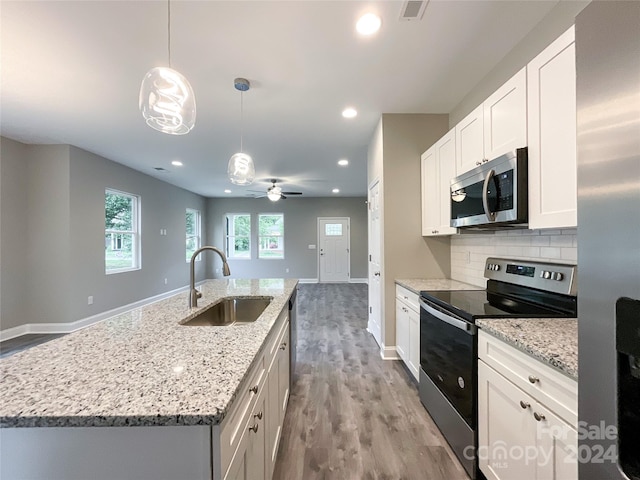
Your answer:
<point x="167" y="102"/>
<point x="241" y="170"/>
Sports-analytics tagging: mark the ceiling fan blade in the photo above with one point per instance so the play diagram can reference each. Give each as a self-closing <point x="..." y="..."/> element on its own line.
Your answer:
<point x="293" y="193"/>
<point x="283" y="197"/>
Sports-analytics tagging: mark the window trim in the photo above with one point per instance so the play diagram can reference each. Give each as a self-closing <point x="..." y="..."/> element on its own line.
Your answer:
<point x="198" y="230"/>
<point x="261" y="236"/>
<point x="227" y="236"/>
<point x="136" y="233"/>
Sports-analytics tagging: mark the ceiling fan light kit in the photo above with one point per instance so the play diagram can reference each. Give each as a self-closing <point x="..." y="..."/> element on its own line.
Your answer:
<point x="167" y="101"/>
<point x="241" y="170"/>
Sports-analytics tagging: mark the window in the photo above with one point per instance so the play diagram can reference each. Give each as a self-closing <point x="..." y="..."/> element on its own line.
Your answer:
<point x="121" y="232"/>
<point x="271" y="235"/>
<point x="194" y="232"/>
<point x="238" y="243"/>
<point x="333" y="229"/>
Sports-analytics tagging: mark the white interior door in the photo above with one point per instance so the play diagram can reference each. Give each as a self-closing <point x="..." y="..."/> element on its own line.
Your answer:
<point x="334" y="242"/>
<point x="375" y="268"/>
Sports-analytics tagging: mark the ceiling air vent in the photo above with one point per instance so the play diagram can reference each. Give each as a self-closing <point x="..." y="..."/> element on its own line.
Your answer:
<point x="160" y="169"/>
<point x="413" y="9"/>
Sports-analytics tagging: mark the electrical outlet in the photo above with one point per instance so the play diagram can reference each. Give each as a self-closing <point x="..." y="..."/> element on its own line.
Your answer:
<point x="286" y="270"/>
<point x="90" y="300"/>
<point x="166" y="281"/>
<point x="467" y="257"/>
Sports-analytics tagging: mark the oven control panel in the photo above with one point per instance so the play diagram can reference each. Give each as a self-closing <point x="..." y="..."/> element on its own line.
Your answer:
<point x="553" y="277"/>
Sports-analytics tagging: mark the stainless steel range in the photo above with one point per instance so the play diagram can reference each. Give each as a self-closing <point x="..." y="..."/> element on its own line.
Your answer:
<point x="449" y="346"/>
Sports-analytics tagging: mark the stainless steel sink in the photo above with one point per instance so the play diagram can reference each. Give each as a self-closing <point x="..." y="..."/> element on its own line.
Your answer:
<point x="231" y="311"/>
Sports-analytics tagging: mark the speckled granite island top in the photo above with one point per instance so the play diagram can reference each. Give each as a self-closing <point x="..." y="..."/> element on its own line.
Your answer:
<point x="141" y="368"/>
<point x="551" y="340"/>
<point x="417" y="284"/>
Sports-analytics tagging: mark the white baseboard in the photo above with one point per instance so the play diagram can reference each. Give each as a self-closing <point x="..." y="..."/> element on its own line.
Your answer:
<point x="35" y="328"/>
<point x="315" y="280"/>
<point x="389" y="353"/>
<point x="307" y="280"/>
<point x="359" y="280"/>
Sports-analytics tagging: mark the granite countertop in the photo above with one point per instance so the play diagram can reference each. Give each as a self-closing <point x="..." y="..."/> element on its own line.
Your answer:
<point x="142" y="367"/>
<point x="554" y="341"/>
<point x="417" y="284"/>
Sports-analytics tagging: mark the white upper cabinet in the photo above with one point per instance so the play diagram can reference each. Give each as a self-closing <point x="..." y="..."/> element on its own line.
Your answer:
<point x="470" y="141"/>
<point x="438" y="168"/>
<point x="552" y="135"/>
<point x="497" y="126"/>
<point x="505" y="117"/>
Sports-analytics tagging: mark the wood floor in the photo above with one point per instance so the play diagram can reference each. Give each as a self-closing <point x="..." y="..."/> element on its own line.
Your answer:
<point x="352" y="415"/>
<point x="14" y="345"/>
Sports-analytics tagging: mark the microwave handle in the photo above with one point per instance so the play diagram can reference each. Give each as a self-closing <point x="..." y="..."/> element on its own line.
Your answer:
<point x="485" y="196"/>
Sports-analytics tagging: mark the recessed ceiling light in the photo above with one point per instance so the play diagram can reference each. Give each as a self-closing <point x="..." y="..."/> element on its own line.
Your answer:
<point x="368" y="24"/>
<point x="176" y="163"/>
<point x="227" y="190"/>
<point x="343" y="163"/>
<point x="349" y="112"/>
<point x="335" y="190"/>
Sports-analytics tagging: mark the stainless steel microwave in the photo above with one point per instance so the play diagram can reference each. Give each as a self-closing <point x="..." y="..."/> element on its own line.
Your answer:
<point x="493" y="195"/>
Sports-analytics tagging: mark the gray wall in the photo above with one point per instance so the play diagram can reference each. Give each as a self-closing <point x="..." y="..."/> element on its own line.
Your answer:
<point x="394" y="157"/>
<point x="162" y="207"/>
<point x="300" y="224"/>
<point x="13" y="231"/>
<point x="52" y="235"/>
<point x="556" y="22"/>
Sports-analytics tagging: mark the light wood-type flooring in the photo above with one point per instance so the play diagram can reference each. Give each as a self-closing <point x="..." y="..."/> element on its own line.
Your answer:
<point x="352" y="415"/>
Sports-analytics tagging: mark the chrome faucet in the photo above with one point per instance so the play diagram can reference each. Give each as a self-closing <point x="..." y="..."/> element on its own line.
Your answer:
<point x="194" y="294"/>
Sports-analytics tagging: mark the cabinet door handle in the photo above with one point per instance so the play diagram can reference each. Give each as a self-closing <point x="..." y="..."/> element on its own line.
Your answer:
<point x="254" y="428"/>
<point x="258" y="415"/>
<point x="478" y="163"/>
<point x="283" y="346"/>
<point x="533" y="379"/>
<point x="254" y="389"/>
<point x="524" y="405"/>
<point x="538" y="416"/>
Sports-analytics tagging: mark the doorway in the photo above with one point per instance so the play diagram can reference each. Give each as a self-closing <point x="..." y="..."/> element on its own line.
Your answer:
<point x="334" y="242"/>
<point x="375" y="267"/>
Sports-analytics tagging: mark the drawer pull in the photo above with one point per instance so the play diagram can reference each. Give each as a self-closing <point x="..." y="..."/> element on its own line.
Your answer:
<point x="524" y="404"/>
<point x="254" y="429"/>
<point x="254" y="389"/>
<point x="258" y="416"/>
<point x="538" y="416"/>
<point x="283" y="346"/>
<point x="533" y="379"/>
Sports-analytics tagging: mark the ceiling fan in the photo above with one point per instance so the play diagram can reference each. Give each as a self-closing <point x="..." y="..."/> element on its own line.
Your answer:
<point x="275" y="193"/>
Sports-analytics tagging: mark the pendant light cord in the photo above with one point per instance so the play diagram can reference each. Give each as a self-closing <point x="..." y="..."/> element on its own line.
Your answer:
<point x="241" y="119"/>
<point x="169" y="30"/>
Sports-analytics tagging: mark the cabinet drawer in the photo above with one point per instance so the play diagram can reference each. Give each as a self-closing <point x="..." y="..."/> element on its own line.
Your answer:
<point x="274" y="337"/>
<point x="236" y="422"/>
<point x="548" y="386"/>
<point x="407" y="296"/>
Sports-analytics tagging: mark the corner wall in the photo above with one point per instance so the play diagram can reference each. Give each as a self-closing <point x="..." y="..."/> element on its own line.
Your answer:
<point x="52" y="235"/>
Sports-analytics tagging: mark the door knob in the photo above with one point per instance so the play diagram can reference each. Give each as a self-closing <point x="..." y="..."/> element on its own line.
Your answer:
<point x="377" y="274"/>
<point x="533" y="379"/>
<point x="538" y="416"/>
<point x="524" y="405"/>
<point x="254" y="428"/>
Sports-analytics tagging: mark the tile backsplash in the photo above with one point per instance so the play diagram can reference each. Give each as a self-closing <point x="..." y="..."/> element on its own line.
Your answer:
<point x="469" y="251"/>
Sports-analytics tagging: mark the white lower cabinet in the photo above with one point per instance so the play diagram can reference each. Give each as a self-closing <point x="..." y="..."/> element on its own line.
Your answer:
<point x="519" y="436"/>
<point x="251" y="436"/>
<point x="408" y="329"/>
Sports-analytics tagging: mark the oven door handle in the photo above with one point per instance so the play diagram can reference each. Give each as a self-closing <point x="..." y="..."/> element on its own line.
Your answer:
<point x="460" y="324"/>
<point x="485" y="196"/>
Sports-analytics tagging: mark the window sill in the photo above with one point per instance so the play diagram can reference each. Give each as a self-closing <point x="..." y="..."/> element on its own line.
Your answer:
<point x="121" y="270"/>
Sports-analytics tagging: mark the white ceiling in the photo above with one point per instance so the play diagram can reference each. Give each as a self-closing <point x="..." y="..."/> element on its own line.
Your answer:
<point x="71" y="74"/>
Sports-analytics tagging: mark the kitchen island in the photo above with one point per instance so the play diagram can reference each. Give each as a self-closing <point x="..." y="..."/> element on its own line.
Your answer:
<point x="159" y="391"/>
